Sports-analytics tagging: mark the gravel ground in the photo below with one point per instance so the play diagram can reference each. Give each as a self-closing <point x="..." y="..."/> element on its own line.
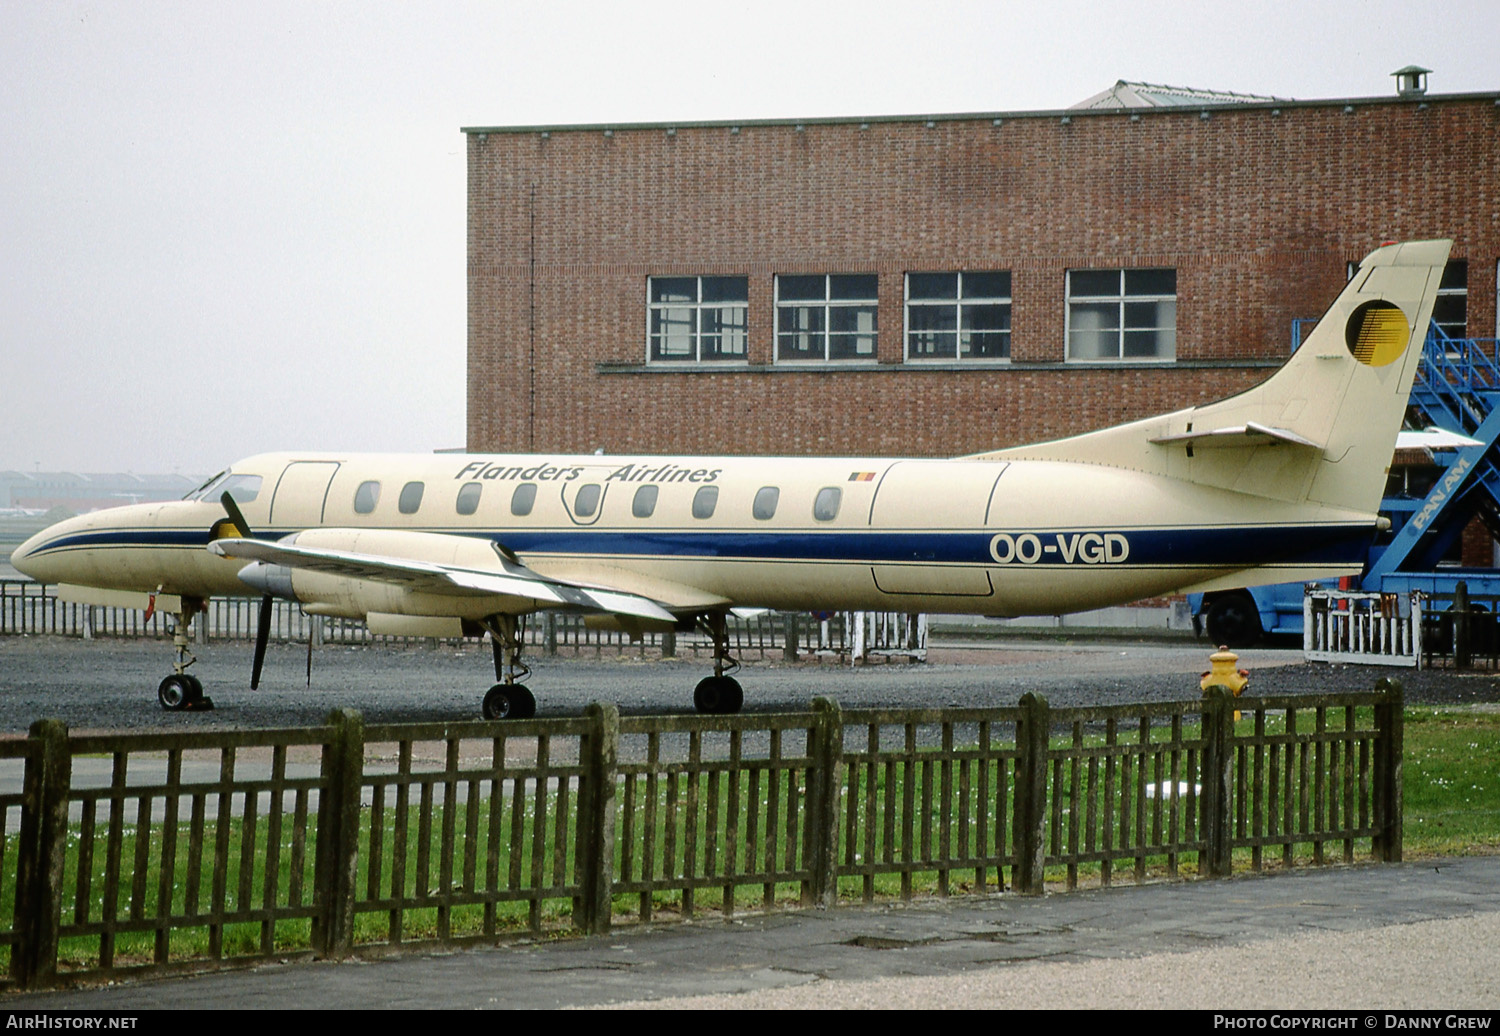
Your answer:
<point x="111" y="684"/>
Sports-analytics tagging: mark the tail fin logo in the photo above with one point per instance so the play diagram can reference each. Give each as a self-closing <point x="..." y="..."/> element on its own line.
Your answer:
<point x="1377" y="333"/>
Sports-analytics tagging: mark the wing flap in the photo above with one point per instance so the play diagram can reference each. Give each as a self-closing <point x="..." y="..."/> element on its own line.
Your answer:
<point x="514" y="580"/>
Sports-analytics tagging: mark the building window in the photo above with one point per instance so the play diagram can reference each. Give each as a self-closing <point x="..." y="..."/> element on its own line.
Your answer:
<point x="1122" y="314"/>
<point x="958" y="316"/>
<point x="697" y="319"/>
<point x="825" y="317"/>
<point x="1450" y="311"/>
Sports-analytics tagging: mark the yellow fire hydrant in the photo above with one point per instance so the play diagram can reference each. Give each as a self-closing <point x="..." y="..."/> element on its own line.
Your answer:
<point x="1222" y="672"/>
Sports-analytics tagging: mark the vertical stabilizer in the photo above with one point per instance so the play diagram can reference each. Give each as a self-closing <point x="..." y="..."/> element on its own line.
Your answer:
<point x="1323" y="428"/>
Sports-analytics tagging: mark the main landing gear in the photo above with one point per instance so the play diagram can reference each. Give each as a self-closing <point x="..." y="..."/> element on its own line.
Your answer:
<point x="182" y="690"/>
<point x="719" y="694"/>
<point x="508" y="699"/>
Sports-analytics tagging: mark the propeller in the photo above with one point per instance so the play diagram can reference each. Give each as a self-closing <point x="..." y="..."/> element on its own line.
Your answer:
<point x="263" y="620"/>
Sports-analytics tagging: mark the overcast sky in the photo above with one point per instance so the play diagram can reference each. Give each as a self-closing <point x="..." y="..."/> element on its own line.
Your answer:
<point x="234" y="227"/>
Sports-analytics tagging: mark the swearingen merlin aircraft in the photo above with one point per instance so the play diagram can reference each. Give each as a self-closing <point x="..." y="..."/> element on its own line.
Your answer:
<point x="1278" y="483"/>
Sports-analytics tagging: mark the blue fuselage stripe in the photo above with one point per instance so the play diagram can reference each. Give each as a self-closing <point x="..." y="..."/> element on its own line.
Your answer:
<point x="1231" y="547"/>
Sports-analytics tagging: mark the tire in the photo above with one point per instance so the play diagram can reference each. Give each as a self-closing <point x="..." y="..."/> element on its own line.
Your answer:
<point x="718" y="696"/>
<point x="176" y="693"/>
<point x="509" y="701"/>
<point x="1234" y="621"/>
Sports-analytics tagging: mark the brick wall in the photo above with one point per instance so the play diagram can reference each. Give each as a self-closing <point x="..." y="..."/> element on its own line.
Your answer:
<point x="1257" y="208"/>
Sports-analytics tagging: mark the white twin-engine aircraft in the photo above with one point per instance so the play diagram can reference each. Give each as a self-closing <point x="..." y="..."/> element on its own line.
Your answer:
<point x="1278" y="483"/>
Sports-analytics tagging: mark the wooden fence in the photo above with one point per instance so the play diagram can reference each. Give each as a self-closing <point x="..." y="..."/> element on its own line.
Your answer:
<point x="153" y="852"/>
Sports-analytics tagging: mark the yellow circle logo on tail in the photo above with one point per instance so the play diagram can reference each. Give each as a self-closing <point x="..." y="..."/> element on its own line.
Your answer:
<point x="1377" y="333"/>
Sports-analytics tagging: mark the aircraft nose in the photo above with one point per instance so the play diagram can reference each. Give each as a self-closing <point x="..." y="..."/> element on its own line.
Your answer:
<point x="30" y="560"/>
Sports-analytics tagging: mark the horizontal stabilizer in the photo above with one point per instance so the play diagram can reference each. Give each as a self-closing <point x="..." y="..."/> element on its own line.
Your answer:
<point x="1251" y="433"/>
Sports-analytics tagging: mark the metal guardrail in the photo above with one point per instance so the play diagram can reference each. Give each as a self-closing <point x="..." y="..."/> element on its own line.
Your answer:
<point x="151" y="853"/>
<point x="28" y="608"/>
<point x="1362" y="628"/>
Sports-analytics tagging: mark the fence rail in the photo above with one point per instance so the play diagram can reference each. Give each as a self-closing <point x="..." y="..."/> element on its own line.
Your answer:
<point x="33" y="608"/>
<point x="169" y="851"/>
<point x="1362" y="628"/>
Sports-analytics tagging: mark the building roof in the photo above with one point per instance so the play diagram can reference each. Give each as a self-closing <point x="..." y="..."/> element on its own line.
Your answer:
<point x="1125" y="94"/>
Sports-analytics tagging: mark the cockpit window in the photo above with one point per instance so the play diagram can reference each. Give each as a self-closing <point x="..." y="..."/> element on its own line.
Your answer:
<point x="366" y="497"/>
<point x="411" y="497"/>
<point x="244" y="488"/>
<point x="201" y="493"/>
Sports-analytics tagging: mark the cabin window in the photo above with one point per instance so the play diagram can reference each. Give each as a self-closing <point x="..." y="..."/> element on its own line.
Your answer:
<point x="697" y="319"/>
<point x="644" y="504"/>
<point x="958" y="316"/>
<point x="411" y="497"/>
<point x="764" y="507"/>
<point x="704" y="501"/>
<point x="522" y="499"/>
<point x="826" y="504"/>
<point x="587" y="500"/>
<point x="1122" y="315"/>
<point x="243" y="488"/>
<point x="468" y="498"/>
<point x="366" y="497"/>
<point x="826" y="317"/>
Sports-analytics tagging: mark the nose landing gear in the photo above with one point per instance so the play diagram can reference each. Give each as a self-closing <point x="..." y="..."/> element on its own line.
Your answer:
<point x="182" y="690"/>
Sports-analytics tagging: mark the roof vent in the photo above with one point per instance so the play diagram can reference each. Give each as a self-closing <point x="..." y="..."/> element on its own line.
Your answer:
<point x="1411" y="81"/>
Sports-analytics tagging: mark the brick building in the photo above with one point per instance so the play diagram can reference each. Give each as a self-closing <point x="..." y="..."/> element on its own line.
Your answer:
<point x="937" y="285"/>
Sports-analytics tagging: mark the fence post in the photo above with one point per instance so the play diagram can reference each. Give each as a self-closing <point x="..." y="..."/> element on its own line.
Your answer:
<point x="338" y="833"/>
<point x="669" y="643"/>
<point x="789" y="633"/>
<point x="1030" y="810"/>
<point x="1462" y="653"/>
<point x="596" y="819"/>
<point x="1216" y="800"/>
<point x="44" y="841"/>
<point x="1389" y="726"/>
<point x="826" y="752"/>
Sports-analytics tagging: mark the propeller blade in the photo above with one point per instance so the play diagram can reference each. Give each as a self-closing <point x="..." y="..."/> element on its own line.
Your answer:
<point x="262" y="635"/>
<point x="236" y="515"/>
<point x="309" y="655"/>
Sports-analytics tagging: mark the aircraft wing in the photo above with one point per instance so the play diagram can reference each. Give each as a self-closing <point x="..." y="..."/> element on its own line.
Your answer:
<point x="513" y="579"/>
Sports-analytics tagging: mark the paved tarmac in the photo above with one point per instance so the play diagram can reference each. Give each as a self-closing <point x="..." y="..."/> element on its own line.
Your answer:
<point x="1421" y="934"/>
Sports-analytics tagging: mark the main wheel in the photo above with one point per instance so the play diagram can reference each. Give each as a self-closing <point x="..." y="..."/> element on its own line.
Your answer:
<point x="178" y="692"/>
<point x="1233" y="620"/>
<point x="718" y="695"/>
<point x="509" y="701"/>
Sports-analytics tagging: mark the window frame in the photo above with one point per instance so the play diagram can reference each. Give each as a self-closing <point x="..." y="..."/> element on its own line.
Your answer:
<point x="698" y="308"/>
<point x="957" y="305"/>
<point x="1124" y="299"/>
<point x="828" y="307"/>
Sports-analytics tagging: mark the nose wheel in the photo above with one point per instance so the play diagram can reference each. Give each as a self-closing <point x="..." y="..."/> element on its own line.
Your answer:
<point x="182" y="690"/>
